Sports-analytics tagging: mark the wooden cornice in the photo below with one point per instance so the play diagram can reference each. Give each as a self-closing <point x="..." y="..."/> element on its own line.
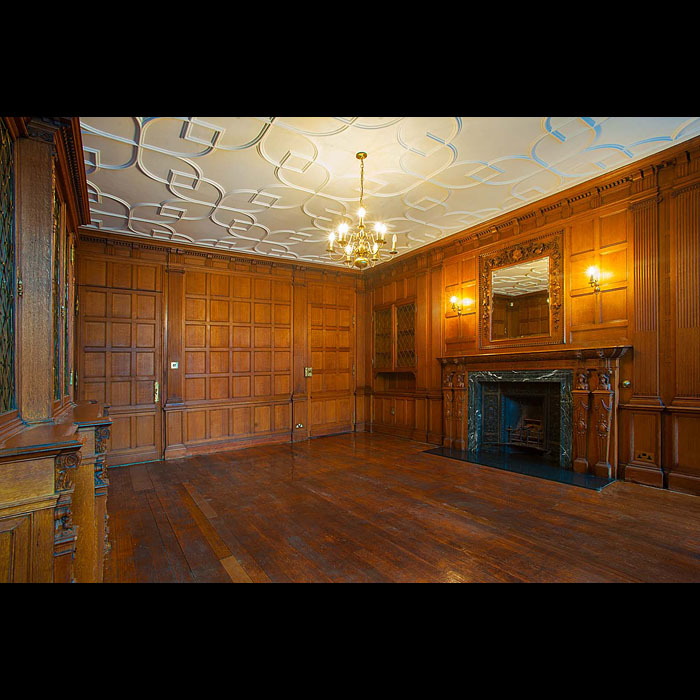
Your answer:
<point x="97" y="236"/>
<point x="63" y="133"/>
<point x="639" y="176"/>
<point x="73" y="143"/>
<point x="17" y="126"/>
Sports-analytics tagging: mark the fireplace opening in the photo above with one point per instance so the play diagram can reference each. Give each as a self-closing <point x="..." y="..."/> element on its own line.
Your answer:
<point x="522" y="416"/>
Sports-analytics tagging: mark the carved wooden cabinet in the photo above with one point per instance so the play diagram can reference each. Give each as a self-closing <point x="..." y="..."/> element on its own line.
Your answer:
<point x="90" y="490"/>
<point x="37" y="533"/>
<point x="53" y="490"/>
<point x="395" y="337"/>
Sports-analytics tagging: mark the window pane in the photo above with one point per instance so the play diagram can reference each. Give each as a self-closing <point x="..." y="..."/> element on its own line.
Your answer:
<point x="7" y="272"/>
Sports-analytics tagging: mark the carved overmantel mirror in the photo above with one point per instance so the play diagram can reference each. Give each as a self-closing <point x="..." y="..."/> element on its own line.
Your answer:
<point x="520" y="287"/>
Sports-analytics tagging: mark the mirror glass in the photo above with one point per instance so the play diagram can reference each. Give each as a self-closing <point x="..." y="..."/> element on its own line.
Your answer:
<point x="520" y="300"/>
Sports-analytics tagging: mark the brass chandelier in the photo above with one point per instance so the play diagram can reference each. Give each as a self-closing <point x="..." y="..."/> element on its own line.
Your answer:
<point x="361" y="247"/>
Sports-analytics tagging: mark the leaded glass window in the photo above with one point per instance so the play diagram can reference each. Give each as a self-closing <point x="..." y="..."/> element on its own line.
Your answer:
<point x="66" y="317"/>
<point x="56" y="291"/>
<point x="406" y="335"/>
<point x="8" y="399"/>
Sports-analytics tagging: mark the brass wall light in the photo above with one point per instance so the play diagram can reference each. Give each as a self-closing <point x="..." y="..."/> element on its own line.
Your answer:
<point x="458" y="304"/>
<point x="594" y="278"/>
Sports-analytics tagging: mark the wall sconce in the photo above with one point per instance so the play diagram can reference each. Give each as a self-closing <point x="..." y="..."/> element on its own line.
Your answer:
<point x="594" y="278"/>
<point x="459" y="304"/>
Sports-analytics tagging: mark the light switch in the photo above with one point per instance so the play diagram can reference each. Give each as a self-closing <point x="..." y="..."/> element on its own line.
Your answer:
<point x="308" y="371"/>
<point x="174" y="365"/>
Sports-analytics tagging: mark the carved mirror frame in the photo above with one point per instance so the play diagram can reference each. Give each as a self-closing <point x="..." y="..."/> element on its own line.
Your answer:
<point x="543" y="246"/>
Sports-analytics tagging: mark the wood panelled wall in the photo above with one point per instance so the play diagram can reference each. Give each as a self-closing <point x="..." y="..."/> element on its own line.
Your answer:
<point x="225" y="339"/>
<point x="121" y="341"/>
<point x="243" y="330"/>
<point x="641" y="227"/>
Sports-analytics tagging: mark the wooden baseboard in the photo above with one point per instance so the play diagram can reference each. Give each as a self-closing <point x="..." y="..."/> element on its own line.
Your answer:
<point x="180" y="451"/>
<point x="393" y="430"/>
<point x="649" y="475"/>
<point x="685" y="483"/>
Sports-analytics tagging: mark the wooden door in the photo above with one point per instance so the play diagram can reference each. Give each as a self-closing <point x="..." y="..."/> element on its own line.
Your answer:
<point x="120" y="364"/>
<point x="331" y="390"/>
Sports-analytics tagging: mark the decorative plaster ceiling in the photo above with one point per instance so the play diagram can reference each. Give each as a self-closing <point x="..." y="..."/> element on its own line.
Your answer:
<point x="277" y="185"/>
<point x="521" y="279"/>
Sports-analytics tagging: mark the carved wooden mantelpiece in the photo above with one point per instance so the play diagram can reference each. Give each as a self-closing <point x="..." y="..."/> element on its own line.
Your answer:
<point x="613" y="352"/>
<point x="594" y="393"/>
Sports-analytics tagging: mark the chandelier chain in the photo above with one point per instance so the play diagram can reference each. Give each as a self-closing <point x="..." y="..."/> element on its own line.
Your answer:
<point x="362" y="181"/>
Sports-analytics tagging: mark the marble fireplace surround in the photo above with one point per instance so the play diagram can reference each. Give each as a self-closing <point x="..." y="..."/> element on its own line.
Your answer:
<point x="563" y="377"/>
<point x="589" y="379"/>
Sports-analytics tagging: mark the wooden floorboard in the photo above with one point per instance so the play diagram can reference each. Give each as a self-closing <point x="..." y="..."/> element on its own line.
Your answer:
<point x="375" y="508"/>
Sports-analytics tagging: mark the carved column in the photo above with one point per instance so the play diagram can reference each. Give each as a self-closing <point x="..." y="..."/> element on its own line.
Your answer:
<point x="581" y="400"/>
<point x="459" y="408"/>
<point x="65" y="532"/>
<point x="448" y="432"/>
<point x="101" y="486"/>
<point x="603" y="402"/>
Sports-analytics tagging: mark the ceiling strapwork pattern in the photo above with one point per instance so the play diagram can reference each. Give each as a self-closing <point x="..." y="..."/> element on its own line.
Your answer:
<point x="278" y="186"/>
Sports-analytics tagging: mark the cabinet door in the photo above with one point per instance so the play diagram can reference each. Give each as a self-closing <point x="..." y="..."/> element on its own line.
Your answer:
<point x="383" y="339"/>
<point x="406" y="335"/>
<point x="14" y="549"/>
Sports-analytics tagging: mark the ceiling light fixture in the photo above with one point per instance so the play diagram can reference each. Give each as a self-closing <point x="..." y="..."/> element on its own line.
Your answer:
<point x="360" y="247"/>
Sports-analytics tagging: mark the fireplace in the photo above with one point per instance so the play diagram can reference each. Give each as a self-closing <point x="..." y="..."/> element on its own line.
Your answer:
<point x="546" y="407"/>
<point x="528" y="411"/>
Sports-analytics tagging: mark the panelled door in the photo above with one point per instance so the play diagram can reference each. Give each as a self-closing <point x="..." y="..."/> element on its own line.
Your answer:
<point x="331" y="390"/>
<point x="120" y="364"/>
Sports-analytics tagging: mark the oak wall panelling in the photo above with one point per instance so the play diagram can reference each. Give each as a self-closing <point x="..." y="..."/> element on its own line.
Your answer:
<point x="405" y="400"/>
<point x="682" y="424"/>
<point x="639" y="226"/>
<point x="237" y="355"/>
<point x="236" y="337"/>
<point x="331" y="337"/>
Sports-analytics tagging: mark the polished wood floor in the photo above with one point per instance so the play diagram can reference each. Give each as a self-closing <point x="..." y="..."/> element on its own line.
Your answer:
<point x="362" y="507"/>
